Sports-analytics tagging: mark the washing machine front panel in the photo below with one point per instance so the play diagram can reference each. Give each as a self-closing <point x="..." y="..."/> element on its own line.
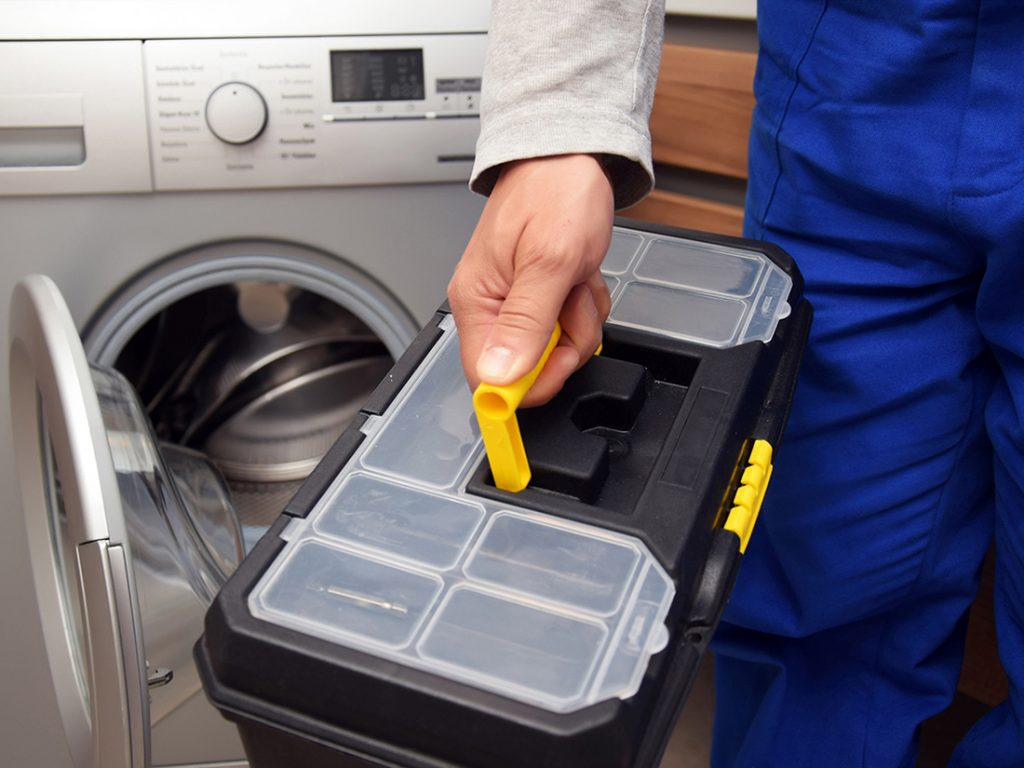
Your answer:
<point x="406" y="238"/>
<point x="239" y="113"/>
<point x="99" y="227"/>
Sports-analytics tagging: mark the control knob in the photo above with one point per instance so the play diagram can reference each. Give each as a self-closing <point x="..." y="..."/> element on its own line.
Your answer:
<point x="236" y="113"/>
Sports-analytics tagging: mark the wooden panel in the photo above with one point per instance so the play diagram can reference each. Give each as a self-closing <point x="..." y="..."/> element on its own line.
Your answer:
<point x="663" y="207"/>
<point x="702" y="109"/>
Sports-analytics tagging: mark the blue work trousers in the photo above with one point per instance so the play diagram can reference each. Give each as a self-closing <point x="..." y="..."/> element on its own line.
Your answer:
<point x="887" y="156"/>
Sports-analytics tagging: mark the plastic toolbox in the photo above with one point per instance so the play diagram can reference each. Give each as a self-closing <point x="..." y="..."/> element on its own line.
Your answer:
<point x="405" y="612"/>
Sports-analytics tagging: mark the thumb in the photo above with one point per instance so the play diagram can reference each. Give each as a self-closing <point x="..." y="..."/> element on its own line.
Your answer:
<point x="523" y="326"/>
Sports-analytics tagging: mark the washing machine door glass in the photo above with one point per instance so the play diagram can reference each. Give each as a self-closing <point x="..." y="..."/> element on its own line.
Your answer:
<point x="78" y="544"/>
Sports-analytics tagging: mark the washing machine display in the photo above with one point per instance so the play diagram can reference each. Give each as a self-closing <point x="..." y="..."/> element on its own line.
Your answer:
<point x="377" y="75"/>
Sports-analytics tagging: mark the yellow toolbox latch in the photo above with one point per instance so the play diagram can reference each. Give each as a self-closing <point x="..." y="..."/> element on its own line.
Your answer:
<point x="750" y="494"/>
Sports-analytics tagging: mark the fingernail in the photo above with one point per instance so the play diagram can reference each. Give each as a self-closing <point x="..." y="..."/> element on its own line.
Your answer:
<point x="494" y="363"/>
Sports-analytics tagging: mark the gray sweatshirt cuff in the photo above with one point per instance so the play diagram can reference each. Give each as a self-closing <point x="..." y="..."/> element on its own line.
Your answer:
<point x="626" y="148"/>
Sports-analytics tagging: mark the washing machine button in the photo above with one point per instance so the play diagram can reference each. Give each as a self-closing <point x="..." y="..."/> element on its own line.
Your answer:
<point x="236" y="113"/>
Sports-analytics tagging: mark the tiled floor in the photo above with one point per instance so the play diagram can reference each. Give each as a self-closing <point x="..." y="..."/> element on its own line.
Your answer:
<point x="690" y="746"/>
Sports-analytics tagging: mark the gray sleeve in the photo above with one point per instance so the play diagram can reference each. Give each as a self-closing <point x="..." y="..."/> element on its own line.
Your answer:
<point x="566" y="76"/>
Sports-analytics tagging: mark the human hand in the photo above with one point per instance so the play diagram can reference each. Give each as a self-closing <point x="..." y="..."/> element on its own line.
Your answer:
<point x="535" y="258"/>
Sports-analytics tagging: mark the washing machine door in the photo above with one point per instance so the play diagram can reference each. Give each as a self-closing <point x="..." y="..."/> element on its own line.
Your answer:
<point x="76" y="533"/>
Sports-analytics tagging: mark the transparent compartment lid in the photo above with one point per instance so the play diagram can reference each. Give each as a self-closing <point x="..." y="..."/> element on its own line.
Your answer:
<point x="710" y="294"/>
<point x="398" y="560"/>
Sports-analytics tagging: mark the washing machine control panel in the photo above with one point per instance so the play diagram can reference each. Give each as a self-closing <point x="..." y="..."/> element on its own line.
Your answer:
<point x="312" y="111"/>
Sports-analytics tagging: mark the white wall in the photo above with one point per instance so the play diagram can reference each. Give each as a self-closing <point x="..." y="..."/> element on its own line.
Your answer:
<point x="736" y="9"/>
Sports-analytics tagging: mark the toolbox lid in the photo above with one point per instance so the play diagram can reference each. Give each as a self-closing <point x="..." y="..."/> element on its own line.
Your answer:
<point x="396" y="559"/>
<point x="708" y="293"/>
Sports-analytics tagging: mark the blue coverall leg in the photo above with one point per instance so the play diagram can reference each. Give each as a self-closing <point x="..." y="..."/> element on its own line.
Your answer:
<point x="887" y="156"/>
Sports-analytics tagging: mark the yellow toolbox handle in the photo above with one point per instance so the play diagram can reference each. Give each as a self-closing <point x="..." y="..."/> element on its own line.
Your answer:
<point x="496" y="411"/>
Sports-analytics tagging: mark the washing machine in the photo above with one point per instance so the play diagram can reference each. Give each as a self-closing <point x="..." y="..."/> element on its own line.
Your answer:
<point x="243" y="212"/>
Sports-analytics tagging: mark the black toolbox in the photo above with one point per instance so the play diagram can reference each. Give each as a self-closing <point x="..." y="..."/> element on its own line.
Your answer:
<point x="405" y="612"/>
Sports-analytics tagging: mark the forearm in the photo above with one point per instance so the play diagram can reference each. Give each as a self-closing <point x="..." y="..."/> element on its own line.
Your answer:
<point x="571" y="77"/>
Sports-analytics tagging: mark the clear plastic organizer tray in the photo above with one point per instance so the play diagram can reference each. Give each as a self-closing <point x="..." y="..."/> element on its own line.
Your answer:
<point x="398" y="560"/>
<point x="710" y="294"/>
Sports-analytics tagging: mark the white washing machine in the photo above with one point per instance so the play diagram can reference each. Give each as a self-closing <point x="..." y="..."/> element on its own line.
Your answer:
<point x="196" y="179"/>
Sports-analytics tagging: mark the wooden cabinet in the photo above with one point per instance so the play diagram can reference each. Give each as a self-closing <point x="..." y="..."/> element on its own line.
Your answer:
<point x="700" y="122"/>
<point x="702" y="108"/>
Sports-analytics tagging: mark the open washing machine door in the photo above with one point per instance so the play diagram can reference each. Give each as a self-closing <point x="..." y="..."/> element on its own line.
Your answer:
<point x="210" y="386"/>
<point x="78" y="543"/>
<point x="129" y="540"/>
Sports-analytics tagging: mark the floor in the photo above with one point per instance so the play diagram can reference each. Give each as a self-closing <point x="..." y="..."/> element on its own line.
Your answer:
<point x="690" y="746"/>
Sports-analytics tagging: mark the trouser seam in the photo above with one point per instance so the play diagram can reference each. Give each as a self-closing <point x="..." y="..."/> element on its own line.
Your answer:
<point x="966" y="196"/>
<point x="785" y="112"/>
<point x="890" y="623"/>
